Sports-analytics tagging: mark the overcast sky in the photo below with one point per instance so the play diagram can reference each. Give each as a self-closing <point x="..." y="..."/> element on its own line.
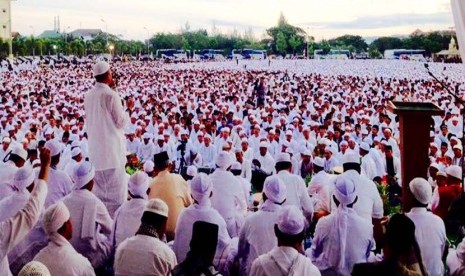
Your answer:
<point x="322" y="18"/>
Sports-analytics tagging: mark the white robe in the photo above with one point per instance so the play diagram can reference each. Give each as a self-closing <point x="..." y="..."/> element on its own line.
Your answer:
<point x="91" y="226"/>
<point x="60" y="185"/>
<point x="16" y="228"/>
<point x="297" y="194"/>
<point x="127" y="220"/>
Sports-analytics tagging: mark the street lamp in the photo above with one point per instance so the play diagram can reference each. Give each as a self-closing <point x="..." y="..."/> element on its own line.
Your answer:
<point x="111" y="47"/>
<point x="55" y="48"/>
<point x="148" y="39"/>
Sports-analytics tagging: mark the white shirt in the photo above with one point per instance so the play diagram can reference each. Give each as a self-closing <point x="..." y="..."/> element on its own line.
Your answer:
<point x="60" y="185"/>
<point x="183" y="233"/>
<point x="146" y="151"/>
<point x="320" y="189"/>
<point x="257" y="236"/>
<point x="430" y="234"/>
<point x="105" y="122"/>
<point x="369" y="167"/>
<point x="283" y="260"/>
<point x="297" y="193"/>
<point x="127" y="220"/>
<point x="208" y="156"/>
<point x="228" y="199"/>
<point x="144" y="255"/>
<point x="16" y="228"/>
<point x="61" y="259"/>
<point x="91" y="226"/>
<point x="267" y="162"/>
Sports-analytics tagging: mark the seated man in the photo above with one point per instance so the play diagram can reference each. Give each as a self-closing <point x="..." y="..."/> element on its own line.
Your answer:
<point x="145" y="253"/>
<point x="201" y="210"/>
<point x="199" y="260"/>
<point x="286" y="259"/>
<point x="127" y="216"/>
<point x="90" y="218"/>
<point x="59" y="255"/>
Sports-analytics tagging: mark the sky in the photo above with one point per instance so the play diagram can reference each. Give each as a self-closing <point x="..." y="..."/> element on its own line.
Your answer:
<point x="138" y="19"/>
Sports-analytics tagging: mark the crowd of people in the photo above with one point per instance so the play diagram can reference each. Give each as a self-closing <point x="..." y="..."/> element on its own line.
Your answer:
<point x="225" y="168"/>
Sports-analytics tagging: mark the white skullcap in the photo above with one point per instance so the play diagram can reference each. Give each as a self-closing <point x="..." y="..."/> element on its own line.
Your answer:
<point x="345" y="190"/>
<point x="307" y="153"/>
<point x="351" y="157"/>
<point x="289" y="132"/>
<point x="183" y="132"/>
<point x="139" y="184"/>
<point x="157" y="206"/>
<point x="34" y="268"/>
<point x="191" y="171"/>
<point x="23" y="177"/>
<point x="55" y="216"/>
<point x="283" y="157"/>
<point x="19" y="151"/>
<point x="83" y="174"/>
<point x="100" y="68"/>
<point x="76" y="151"/>
<point x="201" y="187"/>
<point x="454" y="171"/>
<point x="344" y="143"/>
<point x="223" y="160"/>
<point x="54" y="147"/>
<point x="275" y="189"/>
<point x="236" y="166"/>
<point x="225" y="129"/>
<point x="421" y="190"/>
<point x="6" y="140"/>
<point x="263" y="145"/>
<point x="318" y="161"/>
<point x="364" y="146"/>
<point x="148" y="166"/>
<point x="146" y="136"/>
<point x="290" y="220"/>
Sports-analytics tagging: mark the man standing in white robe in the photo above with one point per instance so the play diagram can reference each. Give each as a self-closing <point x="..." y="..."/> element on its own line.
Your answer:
<point x="105" y="122"/>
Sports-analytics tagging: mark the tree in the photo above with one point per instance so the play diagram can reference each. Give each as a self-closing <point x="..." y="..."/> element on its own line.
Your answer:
<point x="384" y="43"/>
<point x="287" y="31"/>
<point x="355" y="43"/>
<point x="281" y="45"/>
<point x="294" y="43"/>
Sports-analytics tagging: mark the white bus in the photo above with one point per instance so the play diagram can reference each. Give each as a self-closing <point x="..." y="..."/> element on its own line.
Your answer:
<point x="404" y="54"/>
<point x="171" y="54"/>
<point x="209" y="54"/>
<point x="333" y="54"/>
<point x="248" y="54"/>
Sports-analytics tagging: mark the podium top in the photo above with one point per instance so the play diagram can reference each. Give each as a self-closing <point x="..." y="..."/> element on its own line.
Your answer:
<point x="417" y="107"/>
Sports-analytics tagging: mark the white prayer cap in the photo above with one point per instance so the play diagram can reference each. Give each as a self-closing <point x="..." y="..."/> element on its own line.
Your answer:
<point x="23" y="177"/>
<point x="283" y="157"/>
<point x="148" y="166"/>
<point x="289" y="132"/>
<point x="458" y="147"/>
<point x="54" y="147"/>
<point x="146" y="136"/>
<point x="263" y="145"/>
<point x="290" y="220"/>
<point x="34" y="268"/>
<point x="83" y="174"/>
<point x="32" y="145"/>
<point x="223" y="160"/>
<point x="55" y="216"/>
<point x="275" y="189"/>
<point x="435" y="165"/>
<point x="364" y="146"/>
<point x="421" y="190"/>
<point x="191" y="171"/>
<point x="345" y="190"/>
<point x="6" y="140"/>
<point x="184" y="132"/>
<point x="139" y="184"/>
<point x="318" y="161"/>
<point x="236" y="166"/>
<point x="100" y="68"/>
<point x="344" y="143"/>
<point x="454" y="171"/>
<point x="19" y="151"/>
<point x="157" y="206"/>
<point x="201" y="187"/>
<point x="225" y="129"/>
<point x="76" y="151"/>
<point x="351" y="157"/>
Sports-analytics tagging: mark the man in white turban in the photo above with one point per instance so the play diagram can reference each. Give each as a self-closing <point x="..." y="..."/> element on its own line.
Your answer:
<point x="286" y="259"/>
<point x="59" y="255"/>
<point x="342" y="238"/>
<point x="15" y="159"/>
<point x="146" y="253"/>
<point x="430" y="231"/>
<point x="34" y="268"/>
<point x="105" y="123"/>
<point x="127" y="217"/>
<point x="90" y="218"/>
<point x="13" y="230"/>
<point x="257" y="236"/>
<point x="228" y="196"/>
<point x="201" y="210"/>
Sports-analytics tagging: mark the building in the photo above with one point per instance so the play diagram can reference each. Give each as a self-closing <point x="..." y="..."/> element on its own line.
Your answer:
<point x="55" y="33"/>
<point x="86" y="34"/>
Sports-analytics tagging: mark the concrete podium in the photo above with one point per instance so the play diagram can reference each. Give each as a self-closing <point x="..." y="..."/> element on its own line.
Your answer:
<point x="414" y="126"/>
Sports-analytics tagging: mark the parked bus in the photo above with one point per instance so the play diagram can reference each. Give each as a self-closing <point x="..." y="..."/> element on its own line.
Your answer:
<point x="248" y="54"/>
<point x="209" y="54"/>
<point x="404" y="54"/>
<point x="333" y="54"/>
<point x="171" y="54"/>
